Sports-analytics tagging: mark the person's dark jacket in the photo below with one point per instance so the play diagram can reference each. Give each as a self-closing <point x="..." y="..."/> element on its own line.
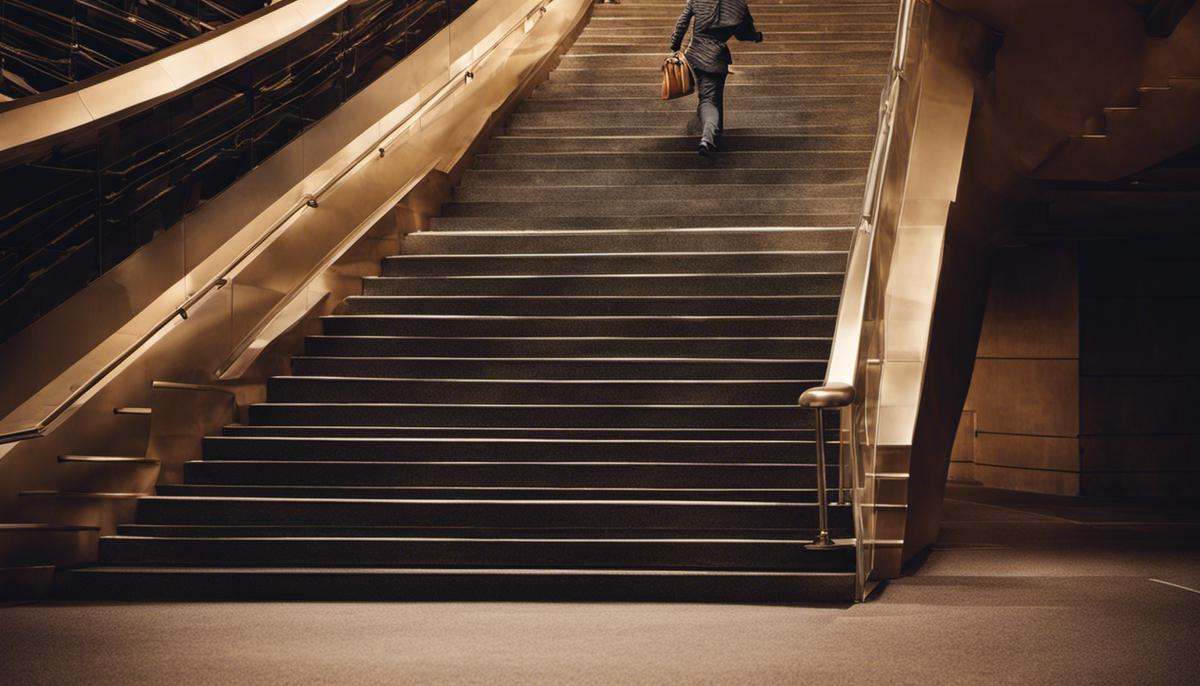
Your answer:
<point x="716" y="22"/>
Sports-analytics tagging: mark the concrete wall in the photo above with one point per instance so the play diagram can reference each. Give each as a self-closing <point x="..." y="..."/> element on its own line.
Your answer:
<point x="1139" y="364"/>
<point x="1084" y="376"/>
<point x="1024" y="397"/>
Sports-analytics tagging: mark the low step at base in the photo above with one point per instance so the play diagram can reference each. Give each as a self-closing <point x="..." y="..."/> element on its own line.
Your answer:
<point x="637" y="553"/>
<point x="477" y="532"/>
<point x="262" y="583"/>
<point x="26" y="583"/>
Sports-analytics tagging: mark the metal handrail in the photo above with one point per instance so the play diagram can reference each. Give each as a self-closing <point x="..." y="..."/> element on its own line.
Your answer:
<point x="838" y="390"/>
<point x="311" y="200"/>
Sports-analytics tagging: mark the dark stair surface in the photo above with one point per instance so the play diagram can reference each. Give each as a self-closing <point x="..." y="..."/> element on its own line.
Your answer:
<point x="581" y="383"/>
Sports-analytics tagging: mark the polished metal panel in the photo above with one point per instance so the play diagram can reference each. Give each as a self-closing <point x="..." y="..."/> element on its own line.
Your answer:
<point x="186" y="258"/>
<point x="50" y="44"/>
<point x="271" y="272"/>
<point x="881" y="338"/>
<point x="81" y="201"/>
<point x="182" y="415"/>
<point x="55" y="116"/>
<point x="857" y="323"/>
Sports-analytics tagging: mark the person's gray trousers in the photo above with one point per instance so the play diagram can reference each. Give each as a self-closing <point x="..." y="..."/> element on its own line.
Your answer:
<point x="710" y="89"/>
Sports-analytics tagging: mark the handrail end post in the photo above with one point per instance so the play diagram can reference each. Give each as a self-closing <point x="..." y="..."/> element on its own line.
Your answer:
<point x="818" y="399"/>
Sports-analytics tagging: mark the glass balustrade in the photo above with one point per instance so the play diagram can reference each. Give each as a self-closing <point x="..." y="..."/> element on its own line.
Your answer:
<point x="46" y="44"/>
<point x="73" y="211"/>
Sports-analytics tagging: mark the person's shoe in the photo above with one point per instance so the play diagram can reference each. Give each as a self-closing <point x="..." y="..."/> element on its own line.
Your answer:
<point x="706" y="148"/>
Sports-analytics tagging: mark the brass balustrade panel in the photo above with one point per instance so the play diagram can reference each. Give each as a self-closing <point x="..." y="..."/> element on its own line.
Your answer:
<point x="882" y="338"/>
<point x="194" y="240"/>
<point x="322" y="248"/>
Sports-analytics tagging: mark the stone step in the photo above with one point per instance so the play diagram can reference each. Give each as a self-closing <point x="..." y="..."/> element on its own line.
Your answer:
<point x="761" y="7"/>
<point x="593" y="305"/>
<point x="849" y="174"/>
<point x="874" y="75"/>
<point x="555" y="369"/>
<point x="660" y="193"/>
<point x="590" y="161"/>
<point x="376" y="584"/>
<point x="24" y="544"/>
<point x="844" y="207"/>
<point x="645" y="553"/>
<point x="513" y="513"/>
<point x="846" y="121"/>
<point x="25" y="583"/>
<point x="647" y="221"/>
<point x="107" y="473"/>
<point x="761" y="491"/>
<point x="735" y="89"/>
<point x="649" y="99"/>
<point x="84" y="509"/>
<point x="489" y="242"/>
<point x="539" y="432"/>
<point x="783" y="347"/>
<point x="576" y="326"/>
<point x="295" y="389"/>
<point x="816" y="211"/>
<point x="480" y="532"/>
<point x="790" y="21"/>
<point x="677" y="144"/>
<point x="592" y="415"/>
<point x="687" y="125"/>
<point x="532" y="264"/>
<point x="620" y="42"/>
<point x="872" y="59"/>
<point x="797" y="283"/>
<point x="504" y="474"/>
<point x="827" y="4"/>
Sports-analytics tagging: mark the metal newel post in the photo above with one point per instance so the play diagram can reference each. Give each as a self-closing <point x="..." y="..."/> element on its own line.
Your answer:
<point x="843" y="458"/>
<point x="822" y="491"/>
<point x="832" y="395"/>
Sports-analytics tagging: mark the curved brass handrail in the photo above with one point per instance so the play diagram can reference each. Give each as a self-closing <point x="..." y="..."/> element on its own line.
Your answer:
<point x="31" y="123"/>
<point x="312" y="200"/>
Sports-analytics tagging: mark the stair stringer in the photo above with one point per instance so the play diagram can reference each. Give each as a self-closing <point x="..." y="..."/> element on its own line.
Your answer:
<point x="1131" y="138"/>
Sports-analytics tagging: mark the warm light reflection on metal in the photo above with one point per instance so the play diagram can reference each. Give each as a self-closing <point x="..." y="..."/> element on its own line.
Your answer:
<point x="881" y="335"/>
<point x="845" y="363"/>
<point x="27" y="124"/>
<point x="312" y="201"/>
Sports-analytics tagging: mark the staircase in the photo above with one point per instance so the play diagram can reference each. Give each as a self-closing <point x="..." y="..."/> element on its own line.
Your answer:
<point x="1130" y="139"/>
<point x="581" y="383"/>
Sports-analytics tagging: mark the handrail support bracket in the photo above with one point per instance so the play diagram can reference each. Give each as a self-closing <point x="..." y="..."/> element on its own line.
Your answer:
<point x="818" y="399"/>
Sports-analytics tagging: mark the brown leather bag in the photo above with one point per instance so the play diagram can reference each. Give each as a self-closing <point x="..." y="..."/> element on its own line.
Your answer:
<point x="677" y="78"/>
